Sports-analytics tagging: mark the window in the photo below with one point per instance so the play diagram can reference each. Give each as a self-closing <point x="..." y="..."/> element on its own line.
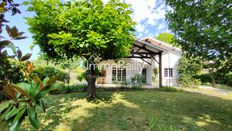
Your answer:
<point x="119" y="74"/>
<point x="168" y="72"/>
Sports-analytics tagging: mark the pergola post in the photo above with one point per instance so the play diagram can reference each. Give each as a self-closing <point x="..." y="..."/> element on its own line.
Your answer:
<point x="160" y="69"/>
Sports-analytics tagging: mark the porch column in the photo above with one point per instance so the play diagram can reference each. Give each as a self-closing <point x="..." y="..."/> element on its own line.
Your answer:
<point x="160" y="69"/>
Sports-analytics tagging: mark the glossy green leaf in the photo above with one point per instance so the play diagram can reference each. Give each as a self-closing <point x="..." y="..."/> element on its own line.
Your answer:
<point x="33" y="117"/>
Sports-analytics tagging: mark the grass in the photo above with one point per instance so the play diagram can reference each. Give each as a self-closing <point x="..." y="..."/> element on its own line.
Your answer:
<point x="136" y="110"/>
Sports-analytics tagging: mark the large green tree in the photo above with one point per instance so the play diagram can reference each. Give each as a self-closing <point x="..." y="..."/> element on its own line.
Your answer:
<point x="202" y="28"/>
<point x="86" y="28"/>
<point x="165" y="37"/>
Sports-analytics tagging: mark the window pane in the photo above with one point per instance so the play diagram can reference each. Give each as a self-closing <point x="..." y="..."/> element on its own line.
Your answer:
<point x="114" y="74"/>
<point x="170" y="72"/>
<point x="166" y="72"/>
<point x="124" y="74"/>
<point x="119" y="75"/>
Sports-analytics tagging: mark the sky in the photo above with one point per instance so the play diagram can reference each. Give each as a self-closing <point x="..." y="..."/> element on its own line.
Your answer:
<point x="148" y="14"/>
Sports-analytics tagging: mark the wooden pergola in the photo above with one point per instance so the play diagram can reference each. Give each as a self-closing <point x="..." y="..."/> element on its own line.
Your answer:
<point x="146" y="50"/>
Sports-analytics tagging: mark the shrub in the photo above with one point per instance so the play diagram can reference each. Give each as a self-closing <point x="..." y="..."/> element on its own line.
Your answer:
<point x="75" y="88"/>
<point x="69" y="89"/>
<point x="204" y="78"/>
<point x="188" y="68"/>
<point x="43" y="72"/>
<point x="137" y="79"/>
<point x="188" y="81"/>
<point x="224" y="78"/>
<point x="220" y="78"/>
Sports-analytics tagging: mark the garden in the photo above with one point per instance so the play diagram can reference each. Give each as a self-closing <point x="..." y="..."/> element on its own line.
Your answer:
<point x="57" y="90"/>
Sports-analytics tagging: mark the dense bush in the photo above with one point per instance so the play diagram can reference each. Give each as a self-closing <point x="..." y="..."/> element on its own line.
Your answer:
<point x="204" y="78"/>
<point x="220" y="78"/>
<point x="43" y="72"/>
<point x="188" y="81"/>
<point x="188" y="68"/>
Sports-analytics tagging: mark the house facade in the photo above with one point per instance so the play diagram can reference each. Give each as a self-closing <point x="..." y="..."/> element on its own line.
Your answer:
<point x="153" y="61"/>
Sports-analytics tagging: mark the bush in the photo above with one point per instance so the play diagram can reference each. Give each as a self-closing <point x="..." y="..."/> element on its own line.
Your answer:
<point x="204" y="78"/>
<point x="75" y="88"/>
<point x="137" y="79"/>
<point x="70" y="89"/>
<point x="223" y="78"/>
<point x="220" y="78"/>
<point x="188" y="68"/>
<point x="43" y="72"/>
<point x="188" y="81"/>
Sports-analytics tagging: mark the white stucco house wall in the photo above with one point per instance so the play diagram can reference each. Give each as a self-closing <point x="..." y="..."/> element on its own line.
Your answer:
<point x="144" y="60"/>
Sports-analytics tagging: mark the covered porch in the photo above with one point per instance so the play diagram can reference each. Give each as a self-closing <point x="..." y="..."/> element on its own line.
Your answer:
<point x="143" y="52"/>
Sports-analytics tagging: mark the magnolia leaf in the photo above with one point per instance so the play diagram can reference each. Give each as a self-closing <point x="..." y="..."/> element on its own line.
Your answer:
<point x="51" y="81"/>
<point x="24" y="86"/>
<point x="3" y="115"/>
<point x="26" y="57"/>
<point x="17" y="120"/>
<point x="33" y="117"/>
<point x="20" y="90"/>
<point x="9" y="92"/>
<point x="42" y="105"/>
<point x="5" y="105"/>
<point x="13" y="112"/>
<point x="20" y="38"/>
<point x="39" y="82"/>
<point x="8" y="29"/>
<point x="4" y="43"/>
<point x="19" y="53"/>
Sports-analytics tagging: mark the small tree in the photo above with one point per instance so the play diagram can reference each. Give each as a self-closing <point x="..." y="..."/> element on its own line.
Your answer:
<point x="86" y="28"/>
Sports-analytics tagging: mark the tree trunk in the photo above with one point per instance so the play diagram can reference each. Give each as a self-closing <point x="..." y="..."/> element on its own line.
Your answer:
<point x="212" y="77"/>
<point x="69" y="75"/>
<point x="91" y="79"/>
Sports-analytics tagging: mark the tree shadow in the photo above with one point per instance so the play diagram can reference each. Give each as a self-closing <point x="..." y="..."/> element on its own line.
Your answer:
<point x="139" y="110"/>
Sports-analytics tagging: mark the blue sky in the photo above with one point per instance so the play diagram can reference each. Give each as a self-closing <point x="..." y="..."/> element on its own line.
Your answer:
<point x="148" y="14"/>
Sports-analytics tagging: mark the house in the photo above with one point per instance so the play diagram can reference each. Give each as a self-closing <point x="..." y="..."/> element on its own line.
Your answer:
<point x="155" y="61"/>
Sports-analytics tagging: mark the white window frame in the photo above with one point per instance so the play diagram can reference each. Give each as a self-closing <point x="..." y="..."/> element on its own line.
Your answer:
<point x="168" y="72"/>
<point x="119" y="74"/>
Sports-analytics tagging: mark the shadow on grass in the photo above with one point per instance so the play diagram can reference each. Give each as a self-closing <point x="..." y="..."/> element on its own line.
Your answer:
<point x="136" y="110"/>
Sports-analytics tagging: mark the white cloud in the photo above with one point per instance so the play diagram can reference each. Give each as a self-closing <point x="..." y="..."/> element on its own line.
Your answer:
<point x="161" y="26"/>
<point x="147" y="13"/>
<point x="140" y="27"/>
<point x="146" y="10"/>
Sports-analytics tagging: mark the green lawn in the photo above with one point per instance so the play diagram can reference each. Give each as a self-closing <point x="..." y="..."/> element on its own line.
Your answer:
<point x="136" y="110"/>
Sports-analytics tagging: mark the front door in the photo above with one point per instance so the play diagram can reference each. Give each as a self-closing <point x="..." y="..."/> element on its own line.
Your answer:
<point x="144" y="75"/>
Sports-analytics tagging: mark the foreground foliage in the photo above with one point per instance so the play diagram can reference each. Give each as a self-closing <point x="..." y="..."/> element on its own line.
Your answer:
<point x="25" y="97"/>
<point x="136" y="110"/>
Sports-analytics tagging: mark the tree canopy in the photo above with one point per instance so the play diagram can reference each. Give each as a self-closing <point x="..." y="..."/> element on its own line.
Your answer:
<point x="83" y="28"/>
<point x="165" y="37"/>
<point x="202" y="27"/>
